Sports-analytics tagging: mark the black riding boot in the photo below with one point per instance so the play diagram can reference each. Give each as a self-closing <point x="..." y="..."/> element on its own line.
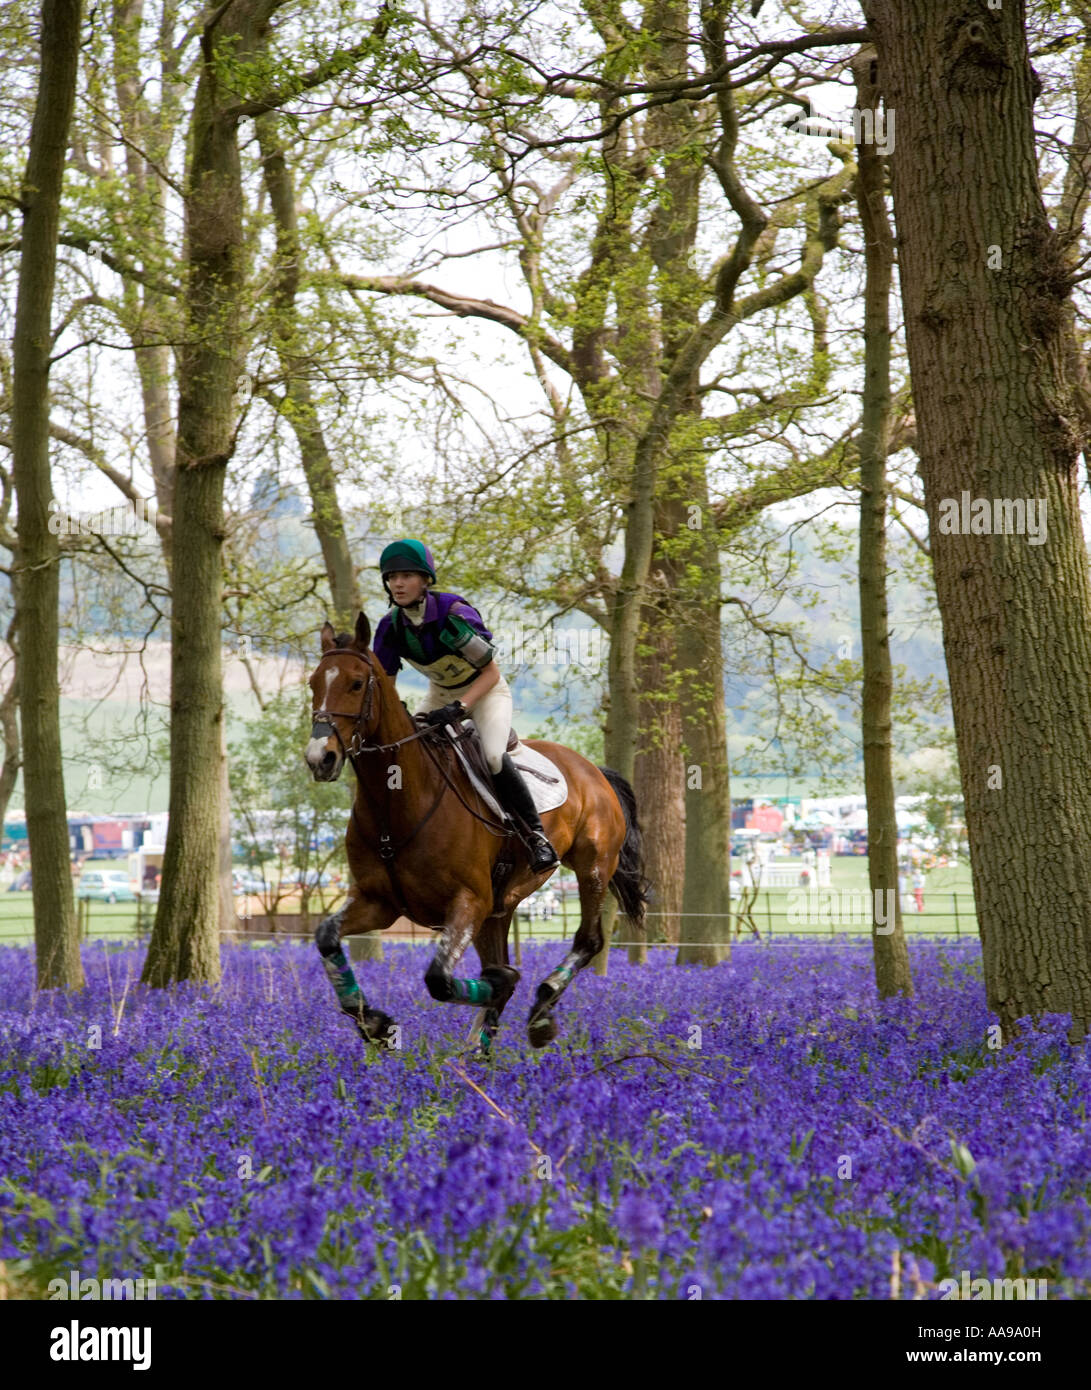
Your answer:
<point x="516" y="799"/>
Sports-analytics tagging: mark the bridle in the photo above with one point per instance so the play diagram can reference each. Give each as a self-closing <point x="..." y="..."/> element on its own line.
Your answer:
<point x="322" y="724"/>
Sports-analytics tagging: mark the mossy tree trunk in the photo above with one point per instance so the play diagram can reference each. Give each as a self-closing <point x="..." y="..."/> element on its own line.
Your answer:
<point x="38" y="554"/>
<point x="185" y="940"/>
<point x="985" y="287"/>
<point x="892" y="974"/>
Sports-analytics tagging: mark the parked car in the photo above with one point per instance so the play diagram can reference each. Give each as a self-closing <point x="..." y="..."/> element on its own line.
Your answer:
<point x="312" y="878"/>
<point x="244" y="883"/>
<point x="105" y="885"/>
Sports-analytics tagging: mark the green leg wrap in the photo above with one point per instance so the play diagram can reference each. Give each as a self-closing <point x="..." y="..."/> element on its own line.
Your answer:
<point x="471" y="991"/>
<point x="558" y="979"/>
<point x="349" y="994"/>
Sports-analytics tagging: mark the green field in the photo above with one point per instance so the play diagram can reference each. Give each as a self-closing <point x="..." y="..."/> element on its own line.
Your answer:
<point x="948" y="902"/>
<point x="106" y="919"/>
<point x="948" y="908"/>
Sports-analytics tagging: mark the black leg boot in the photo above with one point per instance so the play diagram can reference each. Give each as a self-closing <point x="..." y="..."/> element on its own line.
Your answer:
<point x="516" y="799"/>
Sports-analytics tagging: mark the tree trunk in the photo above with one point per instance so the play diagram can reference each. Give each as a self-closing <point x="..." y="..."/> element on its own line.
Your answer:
<point x="705" y="934"/>
<point x="38" y="559"/>
<point x="658" y="781"/>
<point x="1071" y="211"/>
<point x="150" y="317"/>
<point x="185" y="940"/>
<point x="298" y="407"/>
<point x="9" y="712"/>
<point x="655" y="317"/>
<point x="892" y="974"/>
<point x="227" y="916"/>
<point x="985" y="287"/>
<point x="622" y="733"/>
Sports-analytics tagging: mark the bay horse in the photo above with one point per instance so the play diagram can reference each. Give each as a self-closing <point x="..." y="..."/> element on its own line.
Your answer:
<point x="408" y="858"/>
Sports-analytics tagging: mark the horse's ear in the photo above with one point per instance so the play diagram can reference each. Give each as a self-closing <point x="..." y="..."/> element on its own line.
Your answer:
<point x="363" y="631"/>
<point x="328" y="637"/>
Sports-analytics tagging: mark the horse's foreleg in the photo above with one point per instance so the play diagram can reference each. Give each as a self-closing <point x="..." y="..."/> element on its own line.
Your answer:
<point x="358" y="915"/>
<point x="496" y="983"/>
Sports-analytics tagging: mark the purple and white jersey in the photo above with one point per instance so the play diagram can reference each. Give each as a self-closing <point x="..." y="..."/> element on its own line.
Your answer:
<point x="445" y="615"/>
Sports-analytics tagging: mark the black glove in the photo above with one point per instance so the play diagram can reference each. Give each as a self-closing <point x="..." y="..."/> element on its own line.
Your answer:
<point x="453" y="713"/>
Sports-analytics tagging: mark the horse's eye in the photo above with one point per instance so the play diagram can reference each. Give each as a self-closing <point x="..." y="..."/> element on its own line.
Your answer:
<point x="357" y="685"/>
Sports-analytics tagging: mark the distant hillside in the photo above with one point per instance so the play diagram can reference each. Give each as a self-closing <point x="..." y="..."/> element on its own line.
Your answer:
<point x="107" y="736"/>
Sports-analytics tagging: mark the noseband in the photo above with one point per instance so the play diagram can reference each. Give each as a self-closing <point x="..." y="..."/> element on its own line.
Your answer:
<point x="322" y="724"/>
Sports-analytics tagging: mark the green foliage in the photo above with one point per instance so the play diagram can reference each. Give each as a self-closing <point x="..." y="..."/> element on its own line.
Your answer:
<point x="276" y="802"/>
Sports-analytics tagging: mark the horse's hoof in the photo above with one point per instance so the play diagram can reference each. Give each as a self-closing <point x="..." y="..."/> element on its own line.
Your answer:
<point x="377" y="1027"/>
<point x="503" y="979"/>
<point x="542" y="1030"/>
<point x="483" y="1034"/>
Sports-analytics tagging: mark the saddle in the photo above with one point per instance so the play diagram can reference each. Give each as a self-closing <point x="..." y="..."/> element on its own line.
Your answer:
<point x="546" y="774"/>
<point x="549" y="789"/>
<point x="464" y="735"/>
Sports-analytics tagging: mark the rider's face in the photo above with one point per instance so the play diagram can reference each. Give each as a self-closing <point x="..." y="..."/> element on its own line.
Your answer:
<point x="406" y="586"/>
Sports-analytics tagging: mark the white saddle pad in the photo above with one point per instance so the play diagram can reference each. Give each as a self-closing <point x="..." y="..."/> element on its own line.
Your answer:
<point x="546" y="781"/>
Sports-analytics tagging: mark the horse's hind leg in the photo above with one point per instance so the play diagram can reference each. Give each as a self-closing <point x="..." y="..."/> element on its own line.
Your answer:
<point x="593" y="873"/>
<point x="356" y="916"/>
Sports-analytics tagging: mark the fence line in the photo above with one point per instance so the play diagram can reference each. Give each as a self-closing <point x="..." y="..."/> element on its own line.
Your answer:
<point x="786" y="938"/>
<point x="762" y="920"/>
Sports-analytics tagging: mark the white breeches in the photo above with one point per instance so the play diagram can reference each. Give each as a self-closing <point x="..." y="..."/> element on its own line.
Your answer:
<point x="491" y="716"/>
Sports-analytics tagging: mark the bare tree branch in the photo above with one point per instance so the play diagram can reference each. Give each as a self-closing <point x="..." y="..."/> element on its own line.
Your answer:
<point x="464" y="306"/>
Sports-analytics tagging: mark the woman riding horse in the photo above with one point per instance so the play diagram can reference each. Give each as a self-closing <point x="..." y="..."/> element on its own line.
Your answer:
<point x="452" y="871"/>
<point x="444" y="637"/>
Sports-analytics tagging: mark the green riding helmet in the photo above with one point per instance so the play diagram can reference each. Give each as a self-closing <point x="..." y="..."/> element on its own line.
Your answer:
<point x="406" y="554"/>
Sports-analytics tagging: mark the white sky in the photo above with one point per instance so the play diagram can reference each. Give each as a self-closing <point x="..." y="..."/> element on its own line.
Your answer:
<point x="495" y="276"/>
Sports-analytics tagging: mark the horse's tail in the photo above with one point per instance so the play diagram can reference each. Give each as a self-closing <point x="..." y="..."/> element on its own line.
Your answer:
<point x="628" y="885"/>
